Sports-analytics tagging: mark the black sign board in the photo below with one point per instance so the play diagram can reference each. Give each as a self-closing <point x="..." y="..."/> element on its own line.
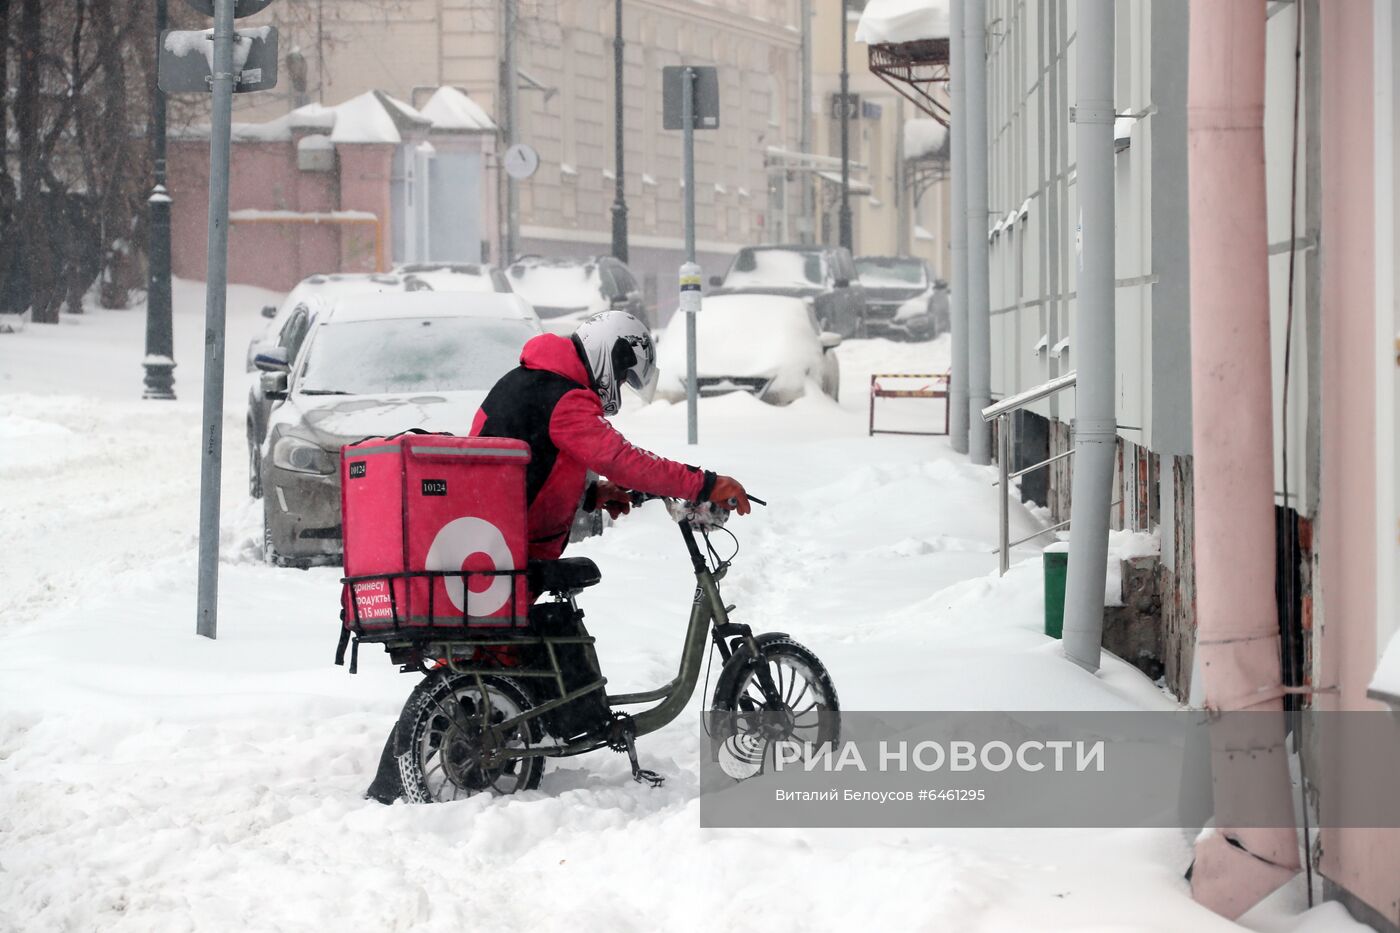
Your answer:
<point x="705" y="115"/>
<point x="186" y="58"/>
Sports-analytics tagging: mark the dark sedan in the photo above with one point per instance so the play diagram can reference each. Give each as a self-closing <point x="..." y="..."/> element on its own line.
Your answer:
<point x="903" y="299"/>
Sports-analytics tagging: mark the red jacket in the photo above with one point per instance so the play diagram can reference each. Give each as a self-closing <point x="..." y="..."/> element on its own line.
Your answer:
<point x="548" y="403"/>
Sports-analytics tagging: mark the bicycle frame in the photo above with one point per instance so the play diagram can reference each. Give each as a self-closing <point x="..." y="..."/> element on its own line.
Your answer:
<point x="708" y="616"/>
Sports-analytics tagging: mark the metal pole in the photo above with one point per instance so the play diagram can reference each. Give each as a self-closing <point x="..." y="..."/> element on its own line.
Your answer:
<point x="212" y="437"/>
<point x="1004" y="473"/>
<point x="619" y="206"/>
<point x="844" y="217"/>
<point x="1050" y="157"/>
<point x="903" y="194"/>
<point x="979" y="321"/>
<point x="510" y="102"/>
<point x="1095" y="427"/>
<point x="808" y="223"/>
<point x="692" y="392"/>
<point x="958" y="412"/>
<point x="160" y="340"/>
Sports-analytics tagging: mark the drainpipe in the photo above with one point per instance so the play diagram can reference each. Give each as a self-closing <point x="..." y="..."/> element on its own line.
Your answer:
<point x="957" y="389"/>
<point x="979" y="320"/>
<point x="1095" y="424"/>
<point x="807" y="225"/>
<point x="1237" y="635"/>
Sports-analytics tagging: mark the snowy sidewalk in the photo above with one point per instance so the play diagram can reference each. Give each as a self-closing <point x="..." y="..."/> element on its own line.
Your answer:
<point x="151" y="780"/>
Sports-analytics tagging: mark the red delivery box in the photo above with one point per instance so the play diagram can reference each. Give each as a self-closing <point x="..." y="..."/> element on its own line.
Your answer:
<point x="434" y="502"/>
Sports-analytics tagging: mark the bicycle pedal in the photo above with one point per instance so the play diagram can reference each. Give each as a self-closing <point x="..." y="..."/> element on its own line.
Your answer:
<point x="648" y="777"/>
<point x="639" y="774"/>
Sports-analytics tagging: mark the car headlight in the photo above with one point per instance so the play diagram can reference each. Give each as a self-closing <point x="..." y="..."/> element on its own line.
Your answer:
<point x="302" y="456"/>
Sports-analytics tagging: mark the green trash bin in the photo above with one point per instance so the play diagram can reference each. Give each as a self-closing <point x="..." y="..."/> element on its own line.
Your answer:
<point x="1056" y="568"/>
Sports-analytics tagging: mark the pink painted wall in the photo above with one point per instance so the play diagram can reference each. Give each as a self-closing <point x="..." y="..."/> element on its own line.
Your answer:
<point x="365" y="174"/>
<point x="265" y="176"/>
<point x="1365" y="862"/>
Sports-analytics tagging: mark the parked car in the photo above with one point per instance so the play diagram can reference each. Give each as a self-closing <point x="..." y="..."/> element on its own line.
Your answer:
<point x="366" y="368"/>
<point x="441" y="276"/>
<point x="565" y="292"/>
<point x="310" y="297"/>
<point x="825" y="274"/>
<point x="903" y="298"/>
<point x="766" y="345"/>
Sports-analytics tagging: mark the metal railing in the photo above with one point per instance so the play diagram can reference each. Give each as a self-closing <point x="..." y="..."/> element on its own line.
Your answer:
<point x="1001" y="412"/>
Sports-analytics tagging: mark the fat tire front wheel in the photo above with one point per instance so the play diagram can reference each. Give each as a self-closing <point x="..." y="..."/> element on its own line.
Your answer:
<point x="805" y="712"/>
<point x="442" y="739"/>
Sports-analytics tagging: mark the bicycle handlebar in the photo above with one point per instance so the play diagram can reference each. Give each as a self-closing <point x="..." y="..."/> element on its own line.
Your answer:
<point x="639" y="497"/>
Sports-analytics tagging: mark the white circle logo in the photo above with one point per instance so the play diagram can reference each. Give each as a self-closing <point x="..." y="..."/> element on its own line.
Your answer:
<point x="458" y="540"/>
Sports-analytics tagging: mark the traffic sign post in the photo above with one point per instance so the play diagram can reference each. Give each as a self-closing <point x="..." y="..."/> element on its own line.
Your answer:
<point x="218" y="61"/>
<point x="690" y="101"/>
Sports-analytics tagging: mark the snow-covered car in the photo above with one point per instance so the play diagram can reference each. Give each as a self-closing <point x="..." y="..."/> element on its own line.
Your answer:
<point x="766" y="345"/>
<point x="442" y="277"/>
<point x="903" y="299"/>
<point x="368" y="368"/>
<point x="320" y="292"/>
<point x="825" y="274"/>
<point x="565" y="292"/>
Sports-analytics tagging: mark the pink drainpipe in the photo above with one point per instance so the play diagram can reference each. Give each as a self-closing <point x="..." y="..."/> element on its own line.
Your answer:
<point x="1237" y="641"/>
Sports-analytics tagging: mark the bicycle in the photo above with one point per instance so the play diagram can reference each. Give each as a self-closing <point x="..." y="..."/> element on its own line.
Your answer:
<point x="487" y="713"/>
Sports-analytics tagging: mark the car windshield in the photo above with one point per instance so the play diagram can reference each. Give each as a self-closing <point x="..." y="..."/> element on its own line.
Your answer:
<point x="557" y="288"/>
<point x="443" y="354"/>
<point x="890" y="273"/>
<point x="776" y="268"/>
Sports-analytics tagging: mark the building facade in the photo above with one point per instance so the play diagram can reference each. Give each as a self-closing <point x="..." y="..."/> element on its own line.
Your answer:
<point x="565" y="93"/>
<point x="896" y="207"/>
<point x="1330" y="178"/>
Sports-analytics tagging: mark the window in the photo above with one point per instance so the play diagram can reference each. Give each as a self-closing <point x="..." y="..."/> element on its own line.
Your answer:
<point x="294" y="331"/>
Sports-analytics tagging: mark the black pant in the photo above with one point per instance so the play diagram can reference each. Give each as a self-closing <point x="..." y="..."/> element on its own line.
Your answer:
<point x="387" y="786"/>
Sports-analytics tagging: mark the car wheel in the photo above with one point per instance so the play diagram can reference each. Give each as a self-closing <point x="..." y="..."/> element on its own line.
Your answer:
<point x="831" y="378"/>
<point x="270" y="555"/>
<point x="254" y="469"/>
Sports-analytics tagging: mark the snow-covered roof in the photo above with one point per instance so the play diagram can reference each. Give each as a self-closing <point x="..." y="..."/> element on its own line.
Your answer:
<point x="453" y="111"/>
<point x="372" y="117"/>
<point x="923" y="136"/>
<point x="894" y="21"/>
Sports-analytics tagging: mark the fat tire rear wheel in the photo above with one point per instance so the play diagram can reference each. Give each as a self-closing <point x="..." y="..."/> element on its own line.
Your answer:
<point x="806" y="692"/>
<point x="440" y="735"/>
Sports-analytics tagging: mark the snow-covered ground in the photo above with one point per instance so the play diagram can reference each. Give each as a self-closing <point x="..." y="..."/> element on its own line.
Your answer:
<point x="152" y="780"/>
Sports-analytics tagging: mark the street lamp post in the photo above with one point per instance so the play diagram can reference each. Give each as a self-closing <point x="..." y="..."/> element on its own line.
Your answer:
<point x="619" y="205"/>
<point x="844" y="218"/>
<point x="160" y="342"/>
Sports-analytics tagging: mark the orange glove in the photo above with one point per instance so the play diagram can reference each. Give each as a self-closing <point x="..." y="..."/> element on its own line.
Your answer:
<point x="729" y="494"/>
<point x="612" y="497"/>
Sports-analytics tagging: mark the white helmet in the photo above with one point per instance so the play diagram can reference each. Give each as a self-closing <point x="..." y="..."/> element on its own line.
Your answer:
<point x="617" y="348"/>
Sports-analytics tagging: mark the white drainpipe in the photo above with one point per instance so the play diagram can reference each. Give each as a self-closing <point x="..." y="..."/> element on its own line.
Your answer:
<point x="1095" y="424"/>
<point x="979" y="321"/>
<point x="957" y="390"/>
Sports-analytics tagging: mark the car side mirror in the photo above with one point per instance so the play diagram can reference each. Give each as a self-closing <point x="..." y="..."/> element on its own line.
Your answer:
<point x="269" y="311"/>
<point x="272" y="360"/>
<point x="716" y="281"/>
<point x="274" y="386"/>
<point x="843" y="283"/>
<point x="829" y="340"/>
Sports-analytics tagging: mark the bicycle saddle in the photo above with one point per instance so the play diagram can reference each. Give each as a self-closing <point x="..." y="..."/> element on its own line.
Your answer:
<point x="565" y="575"/>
